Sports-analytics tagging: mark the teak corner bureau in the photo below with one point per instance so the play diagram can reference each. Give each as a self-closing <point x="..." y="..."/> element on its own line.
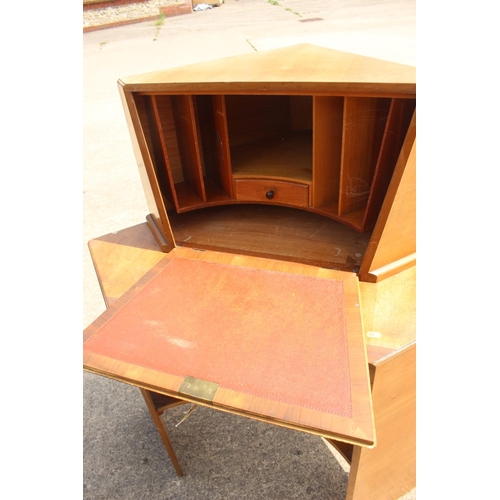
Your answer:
<point x="275" y="277"/>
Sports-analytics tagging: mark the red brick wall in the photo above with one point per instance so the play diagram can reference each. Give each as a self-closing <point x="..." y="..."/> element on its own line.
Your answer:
<point x="177" y="9"/>
<point x="102" y="4"/>
<point x="168" y="10"/>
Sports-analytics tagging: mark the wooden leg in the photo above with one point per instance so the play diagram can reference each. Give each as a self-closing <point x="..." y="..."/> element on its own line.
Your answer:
<point x="388" y="471"/>
<point x="155" y="415"/>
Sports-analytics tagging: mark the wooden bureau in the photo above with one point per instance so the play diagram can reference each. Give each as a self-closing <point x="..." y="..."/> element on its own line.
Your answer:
<point x="299" y="162"/>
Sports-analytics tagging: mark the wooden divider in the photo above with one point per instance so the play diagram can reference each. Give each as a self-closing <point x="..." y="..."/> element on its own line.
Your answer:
<point x="327" y="150"/>
<point x="189" y="148"/>
<point x="364" y="123"/>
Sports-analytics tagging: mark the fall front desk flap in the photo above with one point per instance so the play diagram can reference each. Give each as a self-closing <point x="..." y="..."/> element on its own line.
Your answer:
<point x="278" y="346"/>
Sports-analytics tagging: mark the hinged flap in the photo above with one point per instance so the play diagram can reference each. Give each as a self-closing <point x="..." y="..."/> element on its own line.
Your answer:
<point x="280" y="346"/>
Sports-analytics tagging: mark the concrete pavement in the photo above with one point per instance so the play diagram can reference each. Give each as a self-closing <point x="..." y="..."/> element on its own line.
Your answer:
<point x="223" y="456"/>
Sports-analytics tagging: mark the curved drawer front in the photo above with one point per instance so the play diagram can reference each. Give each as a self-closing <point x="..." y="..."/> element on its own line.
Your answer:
<point x="272" y="191"/>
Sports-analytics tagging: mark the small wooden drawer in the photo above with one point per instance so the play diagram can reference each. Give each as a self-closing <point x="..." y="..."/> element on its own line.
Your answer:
<point x="271" y="191"/>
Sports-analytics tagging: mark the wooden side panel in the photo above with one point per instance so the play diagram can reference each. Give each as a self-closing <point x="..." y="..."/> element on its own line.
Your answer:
<point x="388" y="471"/>
<point x="327" y="150"/>
<point x="150" y="185"/>
<point x="364" y="124"/>
<point x="394" y="236"/>
<point x="398" y="239"/>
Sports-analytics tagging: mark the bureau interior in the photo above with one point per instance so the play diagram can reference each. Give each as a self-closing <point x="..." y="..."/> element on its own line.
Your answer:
<point x="270" y="136"/>
<point x="337" y="152"/>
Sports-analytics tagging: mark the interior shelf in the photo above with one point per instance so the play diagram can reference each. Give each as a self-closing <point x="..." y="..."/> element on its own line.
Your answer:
<point x="272" y="231"/>
<point x="270" y="136"/>
<point x="287" y="156"/>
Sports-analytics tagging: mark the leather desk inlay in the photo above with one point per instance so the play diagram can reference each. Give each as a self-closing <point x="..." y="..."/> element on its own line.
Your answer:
<point x="275" y="335"/>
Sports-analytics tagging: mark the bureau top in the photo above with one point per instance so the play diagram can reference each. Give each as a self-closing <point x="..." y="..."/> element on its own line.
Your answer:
<point x="297" y="69"/>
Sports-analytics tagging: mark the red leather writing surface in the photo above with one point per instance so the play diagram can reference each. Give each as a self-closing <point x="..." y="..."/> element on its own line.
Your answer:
<point x="275" y="335"/>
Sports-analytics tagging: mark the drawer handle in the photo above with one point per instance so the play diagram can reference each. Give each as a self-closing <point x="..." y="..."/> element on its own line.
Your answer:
<point x="270" y="195"/>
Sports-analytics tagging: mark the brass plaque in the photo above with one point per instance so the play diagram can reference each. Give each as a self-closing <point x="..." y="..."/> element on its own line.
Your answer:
<point x="198" y="388"/>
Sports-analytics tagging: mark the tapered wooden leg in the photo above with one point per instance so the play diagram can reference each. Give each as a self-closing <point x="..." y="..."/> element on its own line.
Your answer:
<point x="155" y="415"/>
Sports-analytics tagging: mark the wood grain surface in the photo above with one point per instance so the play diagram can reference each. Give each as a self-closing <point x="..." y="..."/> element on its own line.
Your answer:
<point x="357" y="428"/>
